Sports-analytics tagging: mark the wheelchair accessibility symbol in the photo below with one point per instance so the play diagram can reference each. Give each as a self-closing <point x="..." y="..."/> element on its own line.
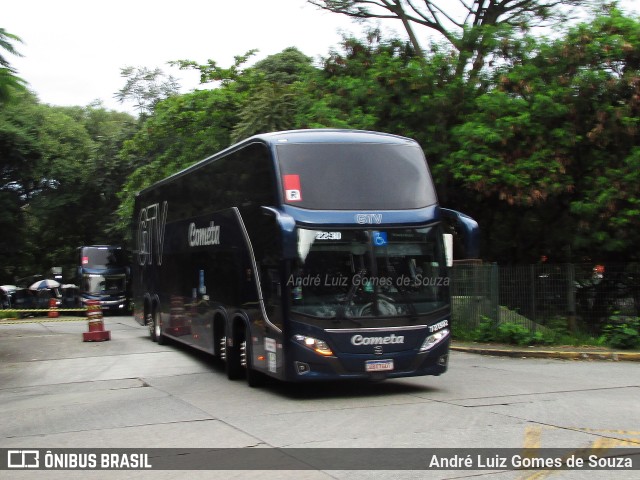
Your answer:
<point x="379" y="238"/>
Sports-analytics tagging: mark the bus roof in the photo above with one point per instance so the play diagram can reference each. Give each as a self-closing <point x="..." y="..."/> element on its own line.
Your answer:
<point x="326" y="135"/>
<point x="310" y="136"/>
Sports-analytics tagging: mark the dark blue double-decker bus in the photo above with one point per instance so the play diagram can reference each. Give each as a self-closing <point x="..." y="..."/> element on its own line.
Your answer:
<point x="301" y="255"/>
<point x="103" y="274"/>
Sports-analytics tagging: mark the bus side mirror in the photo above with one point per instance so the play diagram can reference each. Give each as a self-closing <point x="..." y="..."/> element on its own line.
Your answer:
<point x="448" y="248"/>
<point x="287" y="226"/>
<point x="464" y="230"/>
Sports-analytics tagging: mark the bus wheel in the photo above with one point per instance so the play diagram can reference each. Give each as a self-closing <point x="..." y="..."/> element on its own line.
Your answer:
<point x="157" y="330"/>
<point x="254" y="377"/>
<point x="222" y="348"/>
<point x="148" y="320"/>
<point x="233" y="364"/>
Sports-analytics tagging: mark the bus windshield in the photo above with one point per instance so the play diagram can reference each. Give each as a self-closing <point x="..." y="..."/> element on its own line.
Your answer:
<point x="363" y="176"/>
<point x="369" y="273"/>
<point x="103" y="257"/>
<point x="99" y="284"/>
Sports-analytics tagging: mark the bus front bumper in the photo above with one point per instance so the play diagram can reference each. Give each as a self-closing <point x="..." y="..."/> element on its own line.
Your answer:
<point x="305" y="365"/>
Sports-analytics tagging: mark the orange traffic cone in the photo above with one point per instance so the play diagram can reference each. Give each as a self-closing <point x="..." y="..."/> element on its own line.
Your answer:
<point x="96" y="332"/>
<point x="53" y="308"/>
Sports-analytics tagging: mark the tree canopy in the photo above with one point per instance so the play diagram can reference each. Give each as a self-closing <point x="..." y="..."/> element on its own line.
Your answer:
<point x="537" y="138"/>
<point x="145" y="87"/>
<point x="8" y="75"/>
<point x="471" y="27"/>
<point x="60" y="176"/>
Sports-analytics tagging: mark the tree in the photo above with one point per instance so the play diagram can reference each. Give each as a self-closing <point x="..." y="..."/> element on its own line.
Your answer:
<point x="8" y="79"/>
<point x="383" y="84"/>
<point x="543" y="152"/>
<point x="273" y="89"/>
<point x="107" y="169"/>
<point x="17" y="153"/>
<point x="186" y="128"/>
<point x="211" y="72"/>
<point x="268" y="91"/>
<point x="557" y="141"/>
<point x="145" y="88"/>
<point x="271" y="107"/>
<point x="471" y="27"/>
<point x="45" y="153"/>
<point x="182" y="130"/>
<point x="19" y="150"/>
<point x="59" y="176"/>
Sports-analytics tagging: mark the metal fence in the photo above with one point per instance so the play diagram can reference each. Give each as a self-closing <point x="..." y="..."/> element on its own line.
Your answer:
<point x="582" y="296"/>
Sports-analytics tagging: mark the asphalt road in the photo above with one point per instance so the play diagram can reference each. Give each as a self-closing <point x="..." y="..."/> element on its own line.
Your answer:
<point x="57" y="391"/>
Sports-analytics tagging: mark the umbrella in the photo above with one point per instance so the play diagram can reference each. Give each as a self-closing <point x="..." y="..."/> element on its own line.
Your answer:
<point x="43" y="284"/>
<point x="8" y="288"/>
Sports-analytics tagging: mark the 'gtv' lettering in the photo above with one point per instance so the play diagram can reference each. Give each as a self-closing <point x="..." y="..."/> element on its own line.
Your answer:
<point x="368" y="218"/>
<point x="151" y="225"/>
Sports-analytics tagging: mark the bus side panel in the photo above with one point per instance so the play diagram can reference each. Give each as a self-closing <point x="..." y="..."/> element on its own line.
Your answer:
<point x="267" y="353"/>
<point x="262" y="238"/>
<point x="204" y="271"/>
<point x="207" y="269"/>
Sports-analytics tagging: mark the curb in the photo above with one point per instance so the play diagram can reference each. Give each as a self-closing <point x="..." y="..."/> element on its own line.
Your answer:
<point x="568" y="355"/>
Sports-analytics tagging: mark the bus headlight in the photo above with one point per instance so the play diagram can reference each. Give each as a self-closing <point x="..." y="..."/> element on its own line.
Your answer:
<point x="318" y="346"/>
<point x="434" y="339"/>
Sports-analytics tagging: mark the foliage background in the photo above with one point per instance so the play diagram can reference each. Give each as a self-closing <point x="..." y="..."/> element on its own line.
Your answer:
<point x="537" y="138"/>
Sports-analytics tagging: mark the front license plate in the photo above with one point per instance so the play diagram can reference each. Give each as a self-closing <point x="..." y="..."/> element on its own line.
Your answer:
<point x="378" y="365"/>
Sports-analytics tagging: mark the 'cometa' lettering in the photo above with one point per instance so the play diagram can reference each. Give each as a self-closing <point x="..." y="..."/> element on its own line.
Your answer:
<point x="199" y="237"/>
<point x="360" y="340"/>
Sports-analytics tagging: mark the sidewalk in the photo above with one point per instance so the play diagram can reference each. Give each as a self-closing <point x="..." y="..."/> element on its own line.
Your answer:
<point x="554" y="351"/>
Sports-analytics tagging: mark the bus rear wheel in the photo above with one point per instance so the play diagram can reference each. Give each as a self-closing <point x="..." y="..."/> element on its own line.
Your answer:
<point x="156" y="329"/>
<point x="233" y="363"/>
<point x="148" y="321"/>
<point x="222" y="348"/>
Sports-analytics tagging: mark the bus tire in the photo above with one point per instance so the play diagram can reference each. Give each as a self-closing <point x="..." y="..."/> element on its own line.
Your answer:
<point x="148" y="321"/>
<point x="219" y="340"/>
<point x="233" y="364"/>
<point x="157" y="329"/>
<point x="220" y="348"/>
